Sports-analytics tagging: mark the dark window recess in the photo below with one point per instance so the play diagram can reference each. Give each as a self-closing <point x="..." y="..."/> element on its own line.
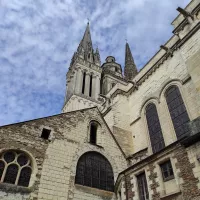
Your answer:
<point x="177" y="111"/>
<point x="93" y="133"/>
<point x="25" y="176"/>
<point x="120" y="195"/>
<point x="11" y="174"/>
<point x="45" y="133"/>
<point x="90" y="93"/>
<point x="2" y="166"/>
<point x="155" y="132"/>
<point x="83" y="85"/>
<point x="167" y="171"/>
<point x="113" y="84"/>
<point x="142" y="187"/>
<point x="94" y="170"/>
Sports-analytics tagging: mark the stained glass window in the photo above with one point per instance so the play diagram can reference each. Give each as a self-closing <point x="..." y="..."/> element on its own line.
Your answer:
<point x="94" y="170"/>
<point x="177" y="111"/>
<point x="15" y="168"/>
<point x="155" y="132"/>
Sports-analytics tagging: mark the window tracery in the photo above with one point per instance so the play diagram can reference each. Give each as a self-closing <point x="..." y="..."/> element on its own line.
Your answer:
<point x="15" y="168"/>
<point x="177" y="111"/>
<point x="94" y="170"/>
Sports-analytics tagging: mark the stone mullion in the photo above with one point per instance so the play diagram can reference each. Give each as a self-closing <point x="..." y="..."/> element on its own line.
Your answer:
<point x="87" y="84"/>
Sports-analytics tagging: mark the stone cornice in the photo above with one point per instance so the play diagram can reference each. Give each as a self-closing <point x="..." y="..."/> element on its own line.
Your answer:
<point x="163" y="58"/>
<point x="181" y="26"/>
<point x="92" y="66"/>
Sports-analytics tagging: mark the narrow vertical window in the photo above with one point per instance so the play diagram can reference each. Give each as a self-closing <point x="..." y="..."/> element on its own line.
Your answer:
<point x="142" y="187"/>
<point x="177" y="111"/>
<point x="83" y="85"/>
<point x="119" y="195"/>
<point x="93" y="133"/>
<point x="155" y="132"/>
<point x="90" y="92"/>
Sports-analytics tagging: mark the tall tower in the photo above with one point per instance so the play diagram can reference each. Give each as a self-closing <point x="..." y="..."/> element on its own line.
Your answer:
<point x="83" y="76"/>
<point x="111" y="75"/>
<point x="130" y="69"/>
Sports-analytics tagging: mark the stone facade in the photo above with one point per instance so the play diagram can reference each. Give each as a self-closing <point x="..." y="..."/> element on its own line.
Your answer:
<point x="117" y="105"/>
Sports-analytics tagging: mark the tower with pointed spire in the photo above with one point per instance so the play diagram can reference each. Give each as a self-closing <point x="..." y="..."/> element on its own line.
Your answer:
<point x="87" y="81"/>
<point x="130" y="69"/>
<point x="83" y="76"/>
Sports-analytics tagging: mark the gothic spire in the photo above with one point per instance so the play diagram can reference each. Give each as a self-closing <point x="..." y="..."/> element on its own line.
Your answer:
<point x="130" y="69"/>
<point x="86" y="42"/>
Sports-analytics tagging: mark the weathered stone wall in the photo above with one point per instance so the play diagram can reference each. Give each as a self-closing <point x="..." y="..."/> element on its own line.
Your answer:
<point x="25" y="137"/>
<point x="184" y="185"/>
<point x="128" y="109"/>
<point x="57" y="159"/>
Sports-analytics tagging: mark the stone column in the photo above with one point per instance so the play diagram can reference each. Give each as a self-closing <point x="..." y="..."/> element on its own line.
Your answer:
<point x="93" y="86"/>
<point x="79" y="80"/>
<point x="87" y="84"/>
<point x="97" y="87"/>
<point x="74" y="81"/>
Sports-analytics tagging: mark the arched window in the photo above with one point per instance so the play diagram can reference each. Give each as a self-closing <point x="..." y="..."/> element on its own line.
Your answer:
<point x="177" y="111"/>
<point x="93" y="132"/>
<point x="15" y="168"/>
<point x="155" y="132"/>
<point x="94" y="170"/>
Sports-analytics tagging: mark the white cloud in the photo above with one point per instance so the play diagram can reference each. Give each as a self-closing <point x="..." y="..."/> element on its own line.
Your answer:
<point x="38" y="38"/>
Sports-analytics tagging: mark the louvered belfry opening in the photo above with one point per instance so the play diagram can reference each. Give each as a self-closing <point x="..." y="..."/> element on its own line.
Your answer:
<point x="94" y="170"/>
<point x="177" y="111"/>
<point x="155" y="131"/>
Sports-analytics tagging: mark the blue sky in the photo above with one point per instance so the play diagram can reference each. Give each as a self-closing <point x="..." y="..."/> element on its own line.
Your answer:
<point x="39" y="37"/>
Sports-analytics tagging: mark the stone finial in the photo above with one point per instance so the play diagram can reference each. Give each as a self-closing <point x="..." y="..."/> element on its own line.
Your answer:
<point x="97" y="57"/>
<point x="130" y="69"/>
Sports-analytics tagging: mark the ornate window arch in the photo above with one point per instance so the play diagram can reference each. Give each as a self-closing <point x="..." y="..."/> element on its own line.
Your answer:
<point x="177" y="111"/>
<point x="15" y="168"/>
<point x="155" y="131"/>
<point x="94" y="170"/>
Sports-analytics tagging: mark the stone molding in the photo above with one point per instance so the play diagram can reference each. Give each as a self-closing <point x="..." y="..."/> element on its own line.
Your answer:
<point x="174" y="48"/>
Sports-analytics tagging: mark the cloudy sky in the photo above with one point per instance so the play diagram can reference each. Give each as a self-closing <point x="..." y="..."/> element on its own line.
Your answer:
<point x="38" y="38"/>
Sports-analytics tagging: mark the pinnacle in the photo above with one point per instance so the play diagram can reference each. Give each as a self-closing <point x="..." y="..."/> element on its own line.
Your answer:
<point x="130" y="69"/>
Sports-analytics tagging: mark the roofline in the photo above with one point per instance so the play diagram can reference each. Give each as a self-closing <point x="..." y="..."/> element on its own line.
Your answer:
<point x="48" y="116"/>
<point x="112" y="134"/>
<point x="180" y="14"/>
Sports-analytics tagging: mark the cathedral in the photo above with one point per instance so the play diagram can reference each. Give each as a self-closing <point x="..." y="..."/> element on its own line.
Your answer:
<point x="122" y="134"/>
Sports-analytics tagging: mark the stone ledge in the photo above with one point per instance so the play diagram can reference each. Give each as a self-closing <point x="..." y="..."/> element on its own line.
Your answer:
<point x="167" y="196"/>
<point x="15" y="188"/>
<point x="95" y="191"/>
